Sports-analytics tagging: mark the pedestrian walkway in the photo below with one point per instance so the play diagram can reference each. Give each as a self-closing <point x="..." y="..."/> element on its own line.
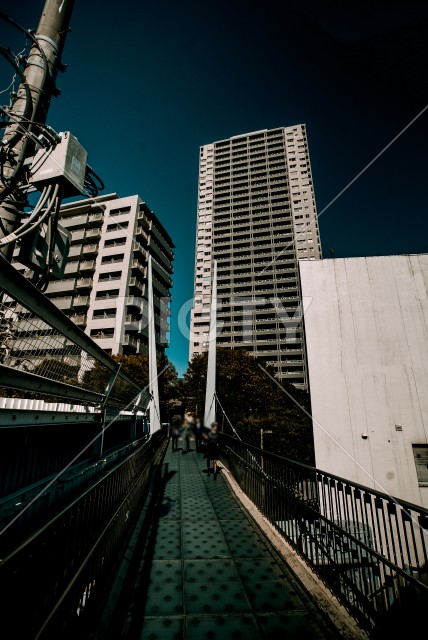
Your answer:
<point x="210" y="572"/>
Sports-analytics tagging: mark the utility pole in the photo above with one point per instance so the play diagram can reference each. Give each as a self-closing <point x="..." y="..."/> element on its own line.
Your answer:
<point x="31" y="106"/>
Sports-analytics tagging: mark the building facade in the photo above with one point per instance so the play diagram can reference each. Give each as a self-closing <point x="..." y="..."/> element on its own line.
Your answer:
<point x="367" y="344"/>
<point x="104" y="289"/>
<point x="257" y="218"/>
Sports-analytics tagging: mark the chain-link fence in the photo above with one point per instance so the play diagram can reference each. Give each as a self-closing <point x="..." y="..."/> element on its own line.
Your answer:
<point x="43" y="353"/>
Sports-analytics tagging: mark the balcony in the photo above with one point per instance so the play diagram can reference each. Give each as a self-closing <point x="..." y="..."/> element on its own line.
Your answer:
<point x="141" y="234"/>
<point x="74" y="222"/>
<point x="162" y="242"/>
<point x="79" y="319"/>
<point x="75" y="252"/>
<point x="130" y="341"/>
<point x="134" y="283"/>
<point x="95" y="219"/>
<point x="132" y="322"/>
<point x="87" y="265"/>
<point x="142" y="218"/>
<point x="93" y="234"/>
<point x="84" y="283"/>
<point x="61" y="286"/>
<point x="77" y="236"/>
<point x="140" y="266"/>
<point x="71" y="268"/>
<point x="62" y="303"/>
<point x="138" y="248"/>
<point x="81" y="301"/>
<point x="134" y="302"/>
<point x="91" y="249"/>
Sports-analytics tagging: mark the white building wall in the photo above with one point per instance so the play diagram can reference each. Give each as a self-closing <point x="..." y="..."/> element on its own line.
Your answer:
<point x="367" y="350"/>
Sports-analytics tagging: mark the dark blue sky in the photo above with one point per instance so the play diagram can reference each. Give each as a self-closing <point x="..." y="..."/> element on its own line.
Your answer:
<point x="148" y="83"/>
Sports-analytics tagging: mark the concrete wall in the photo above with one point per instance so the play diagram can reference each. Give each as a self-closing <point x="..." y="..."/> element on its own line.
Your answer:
<point x="367" y="348"/>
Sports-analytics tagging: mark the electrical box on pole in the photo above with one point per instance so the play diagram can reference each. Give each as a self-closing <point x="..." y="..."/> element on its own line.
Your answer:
<point x="65" y="163"/>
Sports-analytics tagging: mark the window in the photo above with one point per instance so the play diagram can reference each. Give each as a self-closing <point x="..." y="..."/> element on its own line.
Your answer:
<point x="118" y="226"/>
<point x="114" y="242"/>
<point x="104" y="313"/>
<point x="420" y="452"/>
<point x="117" y="257"/>
<point x="102" y="333"/>
<point x="109" y="275"/>
<point x="117" y="212"/>
<point x="108" y="293"/>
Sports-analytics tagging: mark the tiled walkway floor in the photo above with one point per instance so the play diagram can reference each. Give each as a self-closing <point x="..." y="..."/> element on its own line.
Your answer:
<point x="209" y="572"/>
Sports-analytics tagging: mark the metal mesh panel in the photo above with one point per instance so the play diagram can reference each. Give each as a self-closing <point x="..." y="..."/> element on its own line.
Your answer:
<point x="30" y="344"/>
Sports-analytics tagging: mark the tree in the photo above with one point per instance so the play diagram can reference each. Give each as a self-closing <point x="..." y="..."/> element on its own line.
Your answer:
<point x="137" y="366"/>
<point x="251" y="400"/>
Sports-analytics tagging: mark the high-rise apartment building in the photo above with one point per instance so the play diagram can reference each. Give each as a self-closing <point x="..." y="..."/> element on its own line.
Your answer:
<point x="256" y="218"/>
<point x="104" y="289"/>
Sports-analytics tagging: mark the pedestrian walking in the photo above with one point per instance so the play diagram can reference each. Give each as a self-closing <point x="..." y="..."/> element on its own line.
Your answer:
<point x="213" y="449"/>
<point x="186" y="431"/>
<point x="175" y="431"/>
<point x="197" y="432"/>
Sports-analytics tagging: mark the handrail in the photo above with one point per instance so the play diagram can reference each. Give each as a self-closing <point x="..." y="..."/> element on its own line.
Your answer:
<point x="369" y="548"/>
<point x="61" y="568"/>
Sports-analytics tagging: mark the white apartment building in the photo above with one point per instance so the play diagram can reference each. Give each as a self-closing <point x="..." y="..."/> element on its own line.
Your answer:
<point x="257" y="218"/>
<point x="104" y="289"/>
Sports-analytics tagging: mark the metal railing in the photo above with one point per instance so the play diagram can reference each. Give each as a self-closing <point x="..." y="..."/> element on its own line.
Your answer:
<point x="43" y="351"/>
<point x="75" y="459"/>
<point x="369" y="548"/>
<point x="55" y="579"/>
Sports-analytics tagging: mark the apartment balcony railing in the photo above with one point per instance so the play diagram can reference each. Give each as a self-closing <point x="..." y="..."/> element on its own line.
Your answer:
<point x="87" y="265"/>
<point x="75" y="252"/>
<point x="61" y="286"/>
<point x="130" y="341"/>
<point x="79" y="319"/>
<point x="136" y="284"/>
<point x="136" y="264"/>
<point x="142" y="218"/>
<point x="71" y="268"/>
<point x="84" y="283"/>
<point x="63" y="303"/>
<point x="77" y="236"/>
<point x="141" y="234"/>
<point x="90" y="249"/>
<point x="94" y="219"/>
<point x="74" y="221"/>
<point x="132" y="301"/>
<point x="81" y="301"/>
<point x="93" y="234"/>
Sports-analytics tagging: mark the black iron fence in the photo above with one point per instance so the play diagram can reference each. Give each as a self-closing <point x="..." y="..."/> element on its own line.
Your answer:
<point x="369" y="548"/>
<point x="52" y="581"/>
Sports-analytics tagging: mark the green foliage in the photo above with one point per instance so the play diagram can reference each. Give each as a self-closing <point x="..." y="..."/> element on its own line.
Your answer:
<point x="137" y="366"/>
<point x="253" y="401"/>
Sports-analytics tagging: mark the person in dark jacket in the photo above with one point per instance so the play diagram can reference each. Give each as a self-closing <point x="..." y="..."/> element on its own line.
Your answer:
<point x="213" y="449"/>
<point x="175" y="431"/>
<point x="197" y="432"/>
